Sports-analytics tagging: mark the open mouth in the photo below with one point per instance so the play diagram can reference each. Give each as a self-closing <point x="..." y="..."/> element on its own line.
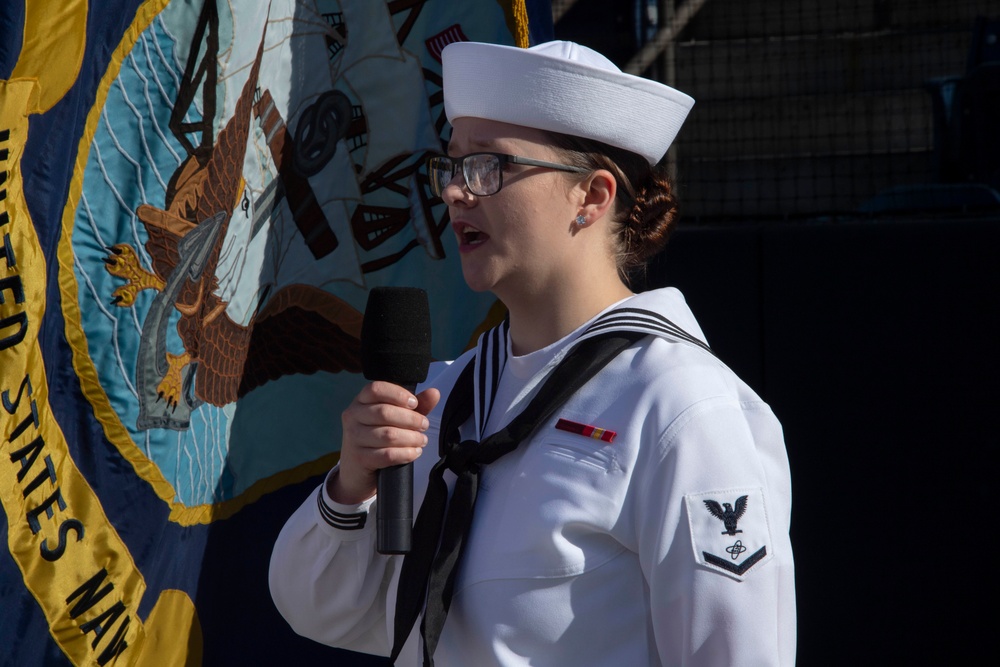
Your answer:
<point x="469" y="235"/>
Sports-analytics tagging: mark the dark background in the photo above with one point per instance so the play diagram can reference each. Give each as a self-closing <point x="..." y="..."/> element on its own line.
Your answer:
<point x="875" y="344"/>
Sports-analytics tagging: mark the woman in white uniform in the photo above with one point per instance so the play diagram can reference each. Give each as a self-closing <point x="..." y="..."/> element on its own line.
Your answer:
<point x="641" y="519"/>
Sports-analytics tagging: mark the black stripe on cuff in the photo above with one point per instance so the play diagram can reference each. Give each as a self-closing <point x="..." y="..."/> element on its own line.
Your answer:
<point x="354" y="521"/>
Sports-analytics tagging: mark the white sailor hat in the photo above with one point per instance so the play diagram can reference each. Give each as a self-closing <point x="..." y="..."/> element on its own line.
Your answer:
<point x="562" y="87"/>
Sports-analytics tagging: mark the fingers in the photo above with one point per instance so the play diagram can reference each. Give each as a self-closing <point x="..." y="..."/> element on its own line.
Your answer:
<point x="386" y="392"/>
<point x="427" y="400"/>
<point x="383" y="427"/>
<point x="382" y="404"/>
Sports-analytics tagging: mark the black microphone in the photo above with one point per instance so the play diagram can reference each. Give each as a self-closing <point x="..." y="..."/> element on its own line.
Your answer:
<point x="396" y="347"/>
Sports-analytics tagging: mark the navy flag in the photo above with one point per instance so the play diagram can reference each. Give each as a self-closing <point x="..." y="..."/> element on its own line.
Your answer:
<point x="195" y="198"/>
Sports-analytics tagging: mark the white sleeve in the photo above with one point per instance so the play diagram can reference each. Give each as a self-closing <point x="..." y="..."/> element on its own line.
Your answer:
<point x="326" y="578"/>
<point x="720" y="593"/>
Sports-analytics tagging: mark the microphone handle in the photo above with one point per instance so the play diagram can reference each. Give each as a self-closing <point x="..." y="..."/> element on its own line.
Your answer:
<point x="394" y="507"/>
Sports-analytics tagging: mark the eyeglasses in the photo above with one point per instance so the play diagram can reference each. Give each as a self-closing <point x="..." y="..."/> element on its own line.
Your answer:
<point x="483" y="172"/>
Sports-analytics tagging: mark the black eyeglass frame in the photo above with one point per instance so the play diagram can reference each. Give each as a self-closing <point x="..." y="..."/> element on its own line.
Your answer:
<point x="502" y="159"/>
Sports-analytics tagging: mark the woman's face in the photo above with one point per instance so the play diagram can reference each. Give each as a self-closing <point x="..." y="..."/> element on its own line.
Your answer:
<point x="517" y="242"/>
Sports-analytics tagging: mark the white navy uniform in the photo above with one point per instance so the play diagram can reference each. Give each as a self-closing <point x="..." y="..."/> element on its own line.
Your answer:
<point x="649" y="528"/>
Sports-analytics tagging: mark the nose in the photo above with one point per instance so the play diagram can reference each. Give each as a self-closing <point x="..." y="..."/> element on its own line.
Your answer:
<point x="455" y="192"/>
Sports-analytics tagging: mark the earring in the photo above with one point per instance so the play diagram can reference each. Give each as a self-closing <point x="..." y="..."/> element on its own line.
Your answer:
<point x="580" y="220"/>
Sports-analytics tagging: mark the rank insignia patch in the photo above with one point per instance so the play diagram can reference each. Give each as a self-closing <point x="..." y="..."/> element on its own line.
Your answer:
<point x="729" y="530"/>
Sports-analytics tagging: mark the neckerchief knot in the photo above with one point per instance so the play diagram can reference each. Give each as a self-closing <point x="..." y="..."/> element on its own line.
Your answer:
<point x="462" y="457"/>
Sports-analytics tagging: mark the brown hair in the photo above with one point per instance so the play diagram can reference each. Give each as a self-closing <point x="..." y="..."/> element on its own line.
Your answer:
<point x="645" y="206"/>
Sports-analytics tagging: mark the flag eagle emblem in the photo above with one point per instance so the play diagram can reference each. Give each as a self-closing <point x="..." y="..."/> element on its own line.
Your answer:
<point x="727" y="514"/>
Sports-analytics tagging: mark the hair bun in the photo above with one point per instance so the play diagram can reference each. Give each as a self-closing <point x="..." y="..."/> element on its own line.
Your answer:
<point x="651" y="220"/>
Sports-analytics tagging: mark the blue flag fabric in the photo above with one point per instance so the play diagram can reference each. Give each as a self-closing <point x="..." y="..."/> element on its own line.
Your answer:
<point x="195" y="198"/>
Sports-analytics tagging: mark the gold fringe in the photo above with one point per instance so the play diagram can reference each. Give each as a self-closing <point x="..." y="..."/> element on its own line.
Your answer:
<point x="516" y="14"/>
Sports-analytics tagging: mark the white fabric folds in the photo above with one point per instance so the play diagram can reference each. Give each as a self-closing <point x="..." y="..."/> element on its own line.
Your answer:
<point x="563" y="87"/>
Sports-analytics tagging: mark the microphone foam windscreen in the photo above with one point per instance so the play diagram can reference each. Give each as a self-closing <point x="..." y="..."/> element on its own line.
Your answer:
<point x="396" y="335"/>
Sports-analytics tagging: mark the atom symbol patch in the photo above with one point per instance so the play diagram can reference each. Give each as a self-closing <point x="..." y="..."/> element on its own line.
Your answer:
<point x="736" y="550"/>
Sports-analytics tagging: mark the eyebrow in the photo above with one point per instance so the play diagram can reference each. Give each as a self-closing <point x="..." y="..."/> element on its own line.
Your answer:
<point x="481" y="143"/>
<point x="474" y="143"/>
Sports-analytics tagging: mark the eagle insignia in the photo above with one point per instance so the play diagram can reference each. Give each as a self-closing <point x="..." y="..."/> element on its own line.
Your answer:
<point x="728" y="514"/>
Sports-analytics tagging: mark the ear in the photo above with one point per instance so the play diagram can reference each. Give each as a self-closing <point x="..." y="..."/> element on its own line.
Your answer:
<point x="599" y="190"/>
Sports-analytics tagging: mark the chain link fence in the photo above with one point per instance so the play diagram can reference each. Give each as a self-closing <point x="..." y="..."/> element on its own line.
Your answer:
<point x="817" y="109"/>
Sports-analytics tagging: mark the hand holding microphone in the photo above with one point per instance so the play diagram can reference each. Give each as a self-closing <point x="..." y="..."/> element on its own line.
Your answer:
<point x="395" y="347"/>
